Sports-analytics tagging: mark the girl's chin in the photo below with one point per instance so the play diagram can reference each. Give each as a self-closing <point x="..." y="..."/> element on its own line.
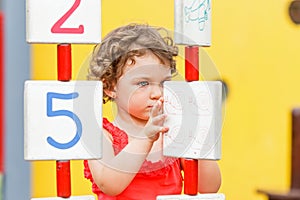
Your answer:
<point x="140" y="119"/>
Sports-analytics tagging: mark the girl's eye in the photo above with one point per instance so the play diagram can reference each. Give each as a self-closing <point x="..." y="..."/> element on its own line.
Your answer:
<point x="143" y="83"/>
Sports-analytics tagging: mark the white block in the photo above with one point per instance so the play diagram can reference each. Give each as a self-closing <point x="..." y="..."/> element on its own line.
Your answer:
<point x="63" y="120"/>
<point x="192" y="22"/>
<point x="87" y="197"/>
<point x="194" y="112"/>
<point x="67" y="21"/>
<point x="196" y="197"/>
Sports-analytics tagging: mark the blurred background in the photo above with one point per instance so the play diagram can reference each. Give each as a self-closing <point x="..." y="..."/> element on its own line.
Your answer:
<point x="255" y="51"/>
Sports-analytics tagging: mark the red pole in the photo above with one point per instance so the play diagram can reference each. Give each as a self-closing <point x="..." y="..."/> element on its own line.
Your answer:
<point x="64" y="62"/>
<point x="191" y="165"/>
<point x="191" y="63"/>
<point x="1" y="91"/>
<point x="63" y="178"/>
<point x="64" y="69"/>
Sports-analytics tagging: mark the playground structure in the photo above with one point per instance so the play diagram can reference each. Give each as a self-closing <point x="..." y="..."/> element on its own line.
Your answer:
<point x="84" y="33"/>
<point x="243" y="55"/>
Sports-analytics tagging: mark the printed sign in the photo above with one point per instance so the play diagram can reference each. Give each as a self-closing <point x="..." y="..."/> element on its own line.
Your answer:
<point x="196" y="197"/>
<point x="194" y="111"/>
<point x="63" y="21"/>
<point x="192" y="22"/>
<point x="63" y="120"/>
<point x="88" y="197"/>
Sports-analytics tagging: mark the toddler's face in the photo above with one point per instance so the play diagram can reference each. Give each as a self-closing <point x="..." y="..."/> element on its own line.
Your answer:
<point x="141" y="86"/>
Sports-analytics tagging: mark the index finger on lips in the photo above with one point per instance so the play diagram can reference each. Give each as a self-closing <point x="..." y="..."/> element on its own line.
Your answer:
<point x="156" y="108"/>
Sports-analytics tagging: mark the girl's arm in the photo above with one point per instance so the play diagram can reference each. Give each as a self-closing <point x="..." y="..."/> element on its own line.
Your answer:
<point x="209" y="176"/>
<point x="113" y="173"/>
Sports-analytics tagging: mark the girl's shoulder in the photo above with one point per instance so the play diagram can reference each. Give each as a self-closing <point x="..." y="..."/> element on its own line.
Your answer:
<point x="118" y="137"/>
<point x="112" y="129"/>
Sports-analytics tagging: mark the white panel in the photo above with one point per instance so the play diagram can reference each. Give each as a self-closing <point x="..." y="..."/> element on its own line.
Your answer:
<point x="67" y="21"/>
<point x="196" y="197"/>
<point x="192" y="22"/>
<point x="63" y="120"/>
<point x="88" y="197"/>
<point x="194" y="112"/>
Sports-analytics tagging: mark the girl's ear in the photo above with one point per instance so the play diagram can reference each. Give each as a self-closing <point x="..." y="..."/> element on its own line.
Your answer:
<point x="111" y="93"/>
<point x="110" y="89"/>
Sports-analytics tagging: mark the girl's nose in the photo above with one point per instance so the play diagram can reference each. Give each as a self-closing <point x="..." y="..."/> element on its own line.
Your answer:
<point x="156" y="91"/>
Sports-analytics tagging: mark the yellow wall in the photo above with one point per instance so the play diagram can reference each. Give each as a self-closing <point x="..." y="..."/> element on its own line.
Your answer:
<point x="255" y="49"/>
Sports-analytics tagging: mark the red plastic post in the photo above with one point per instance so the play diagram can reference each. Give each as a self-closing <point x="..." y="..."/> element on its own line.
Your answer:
<point x="64" y="69"/>
<point x="191" y="165"/>
<point x="190" y="176"/>
<point x="63" y="179"/>
<point x="191" y="63"/>
<point x="64" y="62"/>
<point x="1" y="92"/>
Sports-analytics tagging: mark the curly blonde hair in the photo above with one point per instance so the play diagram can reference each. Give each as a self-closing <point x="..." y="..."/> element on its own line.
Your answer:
<point x="124" y="43"/>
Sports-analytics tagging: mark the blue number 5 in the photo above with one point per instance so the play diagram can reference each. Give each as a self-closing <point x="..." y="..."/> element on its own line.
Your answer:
<point x="67" y="113"/>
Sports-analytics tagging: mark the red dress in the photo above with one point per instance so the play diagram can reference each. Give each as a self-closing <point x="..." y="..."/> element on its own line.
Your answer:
<point x="153" y="179"/>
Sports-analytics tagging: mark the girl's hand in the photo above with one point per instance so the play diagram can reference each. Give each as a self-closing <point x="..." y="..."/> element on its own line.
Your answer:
<point x="154" y="126"/>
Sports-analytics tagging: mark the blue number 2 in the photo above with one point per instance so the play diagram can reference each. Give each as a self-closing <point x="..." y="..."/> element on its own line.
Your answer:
<point x="67" y="113"/>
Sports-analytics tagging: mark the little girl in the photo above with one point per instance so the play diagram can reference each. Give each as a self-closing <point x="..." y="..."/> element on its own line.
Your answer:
<point x="133" y="62"/>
